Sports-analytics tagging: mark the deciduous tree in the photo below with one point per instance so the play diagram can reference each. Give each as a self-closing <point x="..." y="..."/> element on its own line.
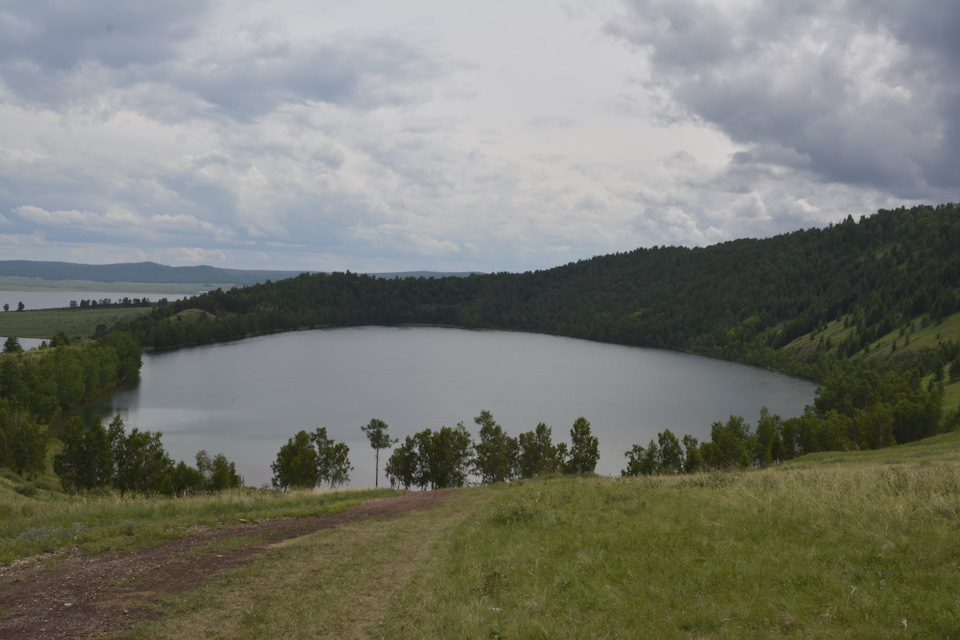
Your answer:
<point x="23" y="443"/>
<point x="86" y="460"/>
<point x="296" y="464"/>
<point x="693" y="459"/>
<point x="401" y="467"/>
<point x="12" y="345"/>
<point x="496" y="452"/>
<point x="584" y="448"/>
<point x="333" y="459"/>
<point x="671" y="456"/>
<point x="538" y="455"/>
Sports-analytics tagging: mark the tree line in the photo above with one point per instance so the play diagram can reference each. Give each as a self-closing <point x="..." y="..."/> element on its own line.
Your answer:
<point x="438" y="459"/>
<point x="96" y="457"/>
<point x="448" y="456"/>
<point x="856" y="408"/>
<point x="126" y="301"/>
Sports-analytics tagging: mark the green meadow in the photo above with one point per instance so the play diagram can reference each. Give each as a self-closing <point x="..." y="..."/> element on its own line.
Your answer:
<point x="832" y="545"/>
<point x="46" y="323"/>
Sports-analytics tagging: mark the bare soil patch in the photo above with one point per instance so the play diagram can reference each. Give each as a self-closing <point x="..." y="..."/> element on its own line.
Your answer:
<point x="66" y="596"/>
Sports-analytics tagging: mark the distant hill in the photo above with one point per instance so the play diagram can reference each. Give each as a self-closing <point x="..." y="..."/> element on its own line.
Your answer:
<point x="151" y="272"/>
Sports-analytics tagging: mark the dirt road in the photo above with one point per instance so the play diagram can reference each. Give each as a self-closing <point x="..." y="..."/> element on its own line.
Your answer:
<point x="66" y="596"/>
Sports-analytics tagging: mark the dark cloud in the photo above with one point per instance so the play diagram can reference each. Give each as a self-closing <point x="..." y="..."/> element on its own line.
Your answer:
<point x="62" y="35"/>
<point x="152" y="57"/>
<point x="862" y="93"/>
<point x="365" y="74"/>
<point x="45" y="45"/>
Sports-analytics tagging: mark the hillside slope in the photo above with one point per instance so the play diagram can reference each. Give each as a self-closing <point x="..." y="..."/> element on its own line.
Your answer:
<point x="833" y="545"/>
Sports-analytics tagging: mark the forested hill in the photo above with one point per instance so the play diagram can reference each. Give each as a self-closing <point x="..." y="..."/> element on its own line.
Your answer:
<point x="741" y="300"/>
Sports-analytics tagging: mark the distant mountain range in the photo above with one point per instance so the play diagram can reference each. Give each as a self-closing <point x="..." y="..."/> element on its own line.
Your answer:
<point x="151" y="272"/>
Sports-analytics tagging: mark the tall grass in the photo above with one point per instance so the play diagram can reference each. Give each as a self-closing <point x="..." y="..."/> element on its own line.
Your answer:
<point x="859" y="551"/>
<point x="33" y="525"/>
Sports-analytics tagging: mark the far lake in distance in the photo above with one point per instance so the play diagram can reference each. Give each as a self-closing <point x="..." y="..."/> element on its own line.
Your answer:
<point x="246" y="399"/>
<point x="57" y="299"/>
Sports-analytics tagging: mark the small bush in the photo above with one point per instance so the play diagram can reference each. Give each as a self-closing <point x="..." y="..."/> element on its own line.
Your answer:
<point x="27" y="490"/>
<point x="515" y="513"/>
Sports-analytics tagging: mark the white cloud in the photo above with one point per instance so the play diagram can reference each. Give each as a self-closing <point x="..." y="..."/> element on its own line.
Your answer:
<point x="57" y="218"/>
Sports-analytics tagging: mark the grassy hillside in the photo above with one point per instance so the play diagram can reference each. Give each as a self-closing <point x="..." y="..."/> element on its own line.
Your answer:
<point x="837" y="545"/>
<point x="916" y="340"/>
<point x="46" y="323"/>
<point x="815" y="549"/>
<point x="922" y="342"/>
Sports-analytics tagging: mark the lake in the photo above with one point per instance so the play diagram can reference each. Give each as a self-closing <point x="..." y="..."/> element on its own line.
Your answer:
<point x="246" y="398"/>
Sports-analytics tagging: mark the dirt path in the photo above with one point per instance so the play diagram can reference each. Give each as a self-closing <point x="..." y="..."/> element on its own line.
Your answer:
<point x="80" y="596"/>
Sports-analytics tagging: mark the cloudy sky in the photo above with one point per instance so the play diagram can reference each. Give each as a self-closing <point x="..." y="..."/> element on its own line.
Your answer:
<point x="490" y="136"/>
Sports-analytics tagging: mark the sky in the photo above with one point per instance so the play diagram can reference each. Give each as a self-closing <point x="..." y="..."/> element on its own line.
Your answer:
<point x="461" y="136"/>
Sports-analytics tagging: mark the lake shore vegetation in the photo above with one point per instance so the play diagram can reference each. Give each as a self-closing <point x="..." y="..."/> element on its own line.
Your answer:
<point x="856" y="408"/>
<point x="449" y="457"/>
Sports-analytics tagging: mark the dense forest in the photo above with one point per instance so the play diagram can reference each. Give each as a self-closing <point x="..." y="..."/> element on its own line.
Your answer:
<point x="36" y="386"/>
<point x="741" y="300"/>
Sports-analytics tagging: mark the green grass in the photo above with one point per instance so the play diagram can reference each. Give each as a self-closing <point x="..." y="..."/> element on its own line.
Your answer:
<point x="839" y="545"/>
<point x="46" y="323"/>
<point x="808" y="550"/>
<point x="35" y="518"/>
<point x="832" y="545"/>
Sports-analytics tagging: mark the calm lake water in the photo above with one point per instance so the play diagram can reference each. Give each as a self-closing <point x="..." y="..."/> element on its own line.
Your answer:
<point x="245" y="399"/>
